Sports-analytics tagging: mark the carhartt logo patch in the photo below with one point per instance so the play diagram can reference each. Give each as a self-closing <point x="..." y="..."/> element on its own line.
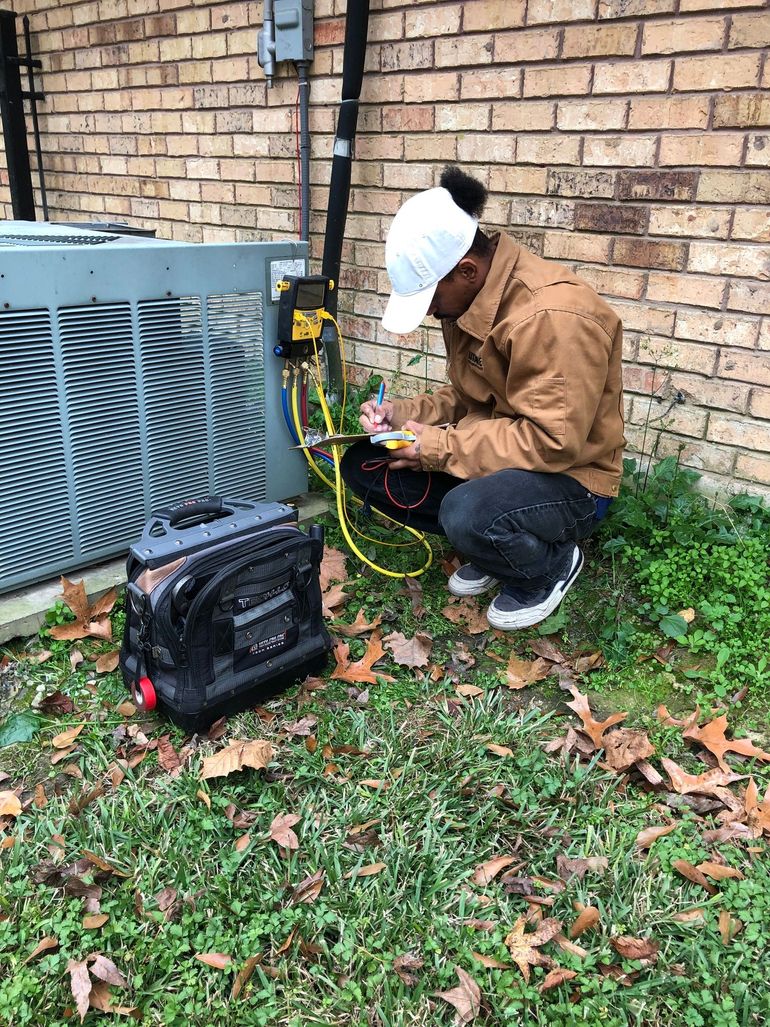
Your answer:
<point x="475" y="359"/>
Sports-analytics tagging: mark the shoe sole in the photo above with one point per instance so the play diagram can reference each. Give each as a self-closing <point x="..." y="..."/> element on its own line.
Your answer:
<point x="528" y="618"/>
<point x="463" y="590"/>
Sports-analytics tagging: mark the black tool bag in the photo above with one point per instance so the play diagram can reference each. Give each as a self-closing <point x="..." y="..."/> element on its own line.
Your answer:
<point x="223" y="608"/>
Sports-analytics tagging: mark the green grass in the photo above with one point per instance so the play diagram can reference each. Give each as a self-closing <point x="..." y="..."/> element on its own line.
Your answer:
<point x="446" y="805"/>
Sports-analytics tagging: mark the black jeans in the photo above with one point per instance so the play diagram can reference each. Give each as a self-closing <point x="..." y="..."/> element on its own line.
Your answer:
<point x="518" y="526"/>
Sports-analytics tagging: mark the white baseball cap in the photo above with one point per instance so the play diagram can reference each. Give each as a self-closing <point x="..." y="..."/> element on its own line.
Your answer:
<point x="430" y="234"/>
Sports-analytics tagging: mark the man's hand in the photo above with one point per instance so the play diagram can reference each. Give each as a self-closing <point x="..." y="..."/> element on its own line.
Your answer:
<point x="376" y="418"/>
<point x="408" y="458"/>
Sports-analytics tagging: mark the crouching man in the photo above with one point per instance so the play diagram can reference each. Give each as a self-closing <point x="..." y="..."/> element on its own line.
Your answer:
<point x="518" y="458"/>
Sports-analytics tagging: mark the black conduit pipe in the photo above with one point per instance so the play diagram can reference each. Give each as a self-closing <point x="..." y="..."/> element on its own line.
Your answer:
<point x="304" y="149"/>
<point x="356" y="30"/>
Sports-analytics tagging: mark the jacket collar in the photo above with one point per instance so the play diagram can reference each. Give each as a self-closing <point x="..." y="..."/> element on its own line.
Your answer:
<point x="478" y="320"/>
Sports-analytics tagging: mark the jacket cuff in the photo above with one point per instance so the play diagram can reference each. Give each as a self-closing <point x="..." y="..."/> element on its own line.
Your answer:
<point x="432" y="448"/>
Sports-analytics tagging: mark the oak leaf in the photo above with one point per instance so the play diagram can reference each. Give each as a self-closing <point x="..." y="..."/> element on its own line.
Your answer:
<point x="409" y="652"/>
<point x="89" y="619"/>
<point x="521" y="673"/>
<point x="624" y="747"/>
<point x="712" y="736"/>
<point x="463" y="611"/>
<point x="524" y="947"/>
<point x="368" y="871"/>
<point x="360" y="625"/>
<point x="466" y="997"/>
<point x="308" y="890"/>
<point x="719" y="872"/>
<point x="244" y="974"/>
<point x="490" y="962"/>
<point x="44" y="945"/>
<point x="588" y="919"/>
<point x="168" y="757"/>
<point x="593" y="728"/>
<point x="66" y="738"/>
<point x="80" y="985"/>
<point x="238" y="754"/>
<point x="360" y="670"/>
<point x="712" y="782"/>
<point x="334" y="597"/>
<point x="107" y="662"/>
<point x="580" y="866"/>
<point x="693" y="874"/>
<point x="281" y="830"/>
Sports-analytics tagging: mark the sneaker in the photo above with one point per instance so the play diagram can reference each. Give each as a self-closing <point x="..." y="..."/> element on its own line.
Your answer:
<point x="470" y="581"/>
<point x="515" y="608"/>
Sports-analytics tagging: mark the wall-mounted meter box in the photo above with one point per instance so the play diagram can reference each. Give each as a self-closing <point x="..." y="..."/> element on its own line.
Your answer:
<point x="293" y="30"/>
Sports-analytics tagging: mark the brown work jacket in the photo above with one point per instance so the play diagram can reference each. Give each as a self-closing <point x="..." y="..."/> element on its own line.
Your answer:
<point x="535" y="372"/>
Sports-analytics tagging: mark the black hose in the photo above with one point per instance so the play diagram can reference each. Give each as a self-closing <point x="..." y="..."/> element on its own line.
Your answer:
<point x="356" y="30"/>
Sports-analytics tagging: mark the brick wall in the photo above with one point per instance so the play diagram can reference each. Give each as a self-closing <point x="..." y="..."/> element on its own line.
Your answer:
<point x="628" y="139"/>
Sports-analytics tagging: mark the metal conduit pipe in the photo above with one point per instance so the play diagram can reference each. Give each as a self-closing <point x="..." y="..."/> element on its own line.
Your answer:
<point x="304" y="149"/>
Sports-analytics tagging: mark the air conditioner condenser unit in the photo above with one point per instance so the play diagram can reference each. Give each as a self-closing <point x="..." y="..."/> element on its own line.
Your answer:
<point x="133" y="373"/>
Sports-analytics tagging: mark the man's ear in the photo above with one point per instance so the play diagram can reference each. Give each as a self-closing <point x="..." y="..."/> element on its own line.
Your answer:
<point x="467" y="269"/>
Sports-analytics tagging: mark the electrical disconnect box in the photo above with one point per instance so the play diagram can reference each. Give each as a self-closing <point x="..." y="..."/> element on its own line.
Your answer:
<point x="286" y="35"/>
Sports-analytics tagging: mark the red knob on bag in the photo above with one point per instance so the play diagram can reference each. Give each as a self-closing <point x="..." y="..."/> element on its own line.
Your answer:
<point x="144" y="694"/>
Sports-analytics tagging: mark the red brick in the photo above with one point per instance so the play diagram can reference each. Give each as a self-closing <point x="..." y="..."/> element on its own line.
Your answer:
<point x="668" y="256"/>
<point x="613" y="281"/>
<point x="551" y="213"/>
<point x="600" y="40"/>
<point x="532" y="116"/>
<point x="483" y="15"/>
<point x="709" y="222"/>
<point x="706" y="73"/>
<point x="568" y="80"/>
<point x="606" y="217"/>
<point x="721" y="329"/>
<point x="750" y="30"/>
<point x="745" y="366"/>
<point x="669" y="112"/>
<point x="743" y="260"/>
<point x="547" y="149"/>
<point x="734" y="186"/>
<point x="522" y="45"/>
<point x="487" y="83"/>
<point x="571" y="246"/>
<point x="585" y="184"/>
<point x="657" y="185"/>
<point x="753" y="297"/>
<point x="682" y="35"/>
<point x="329" y="33"/>
<point x="751" y="223"/>
<point x="619" y="151"/>
<point x="411" y="118"/>
<point x="741" y="110"/>
<point x="753" y="468"/>
<point x="626" y="77"/>
<point x="591" y="115"/>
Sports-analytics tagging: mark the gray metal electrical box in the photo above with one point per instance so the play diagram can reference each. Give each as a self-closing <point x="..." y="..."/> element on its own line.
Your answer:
<point x="293" y="30"/>
<point x="133" y="373"/>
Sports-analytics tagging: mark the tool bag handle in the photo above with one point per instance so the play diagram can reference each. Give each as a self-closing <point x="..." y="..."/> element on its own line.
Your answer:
<point x="190" y="512"/>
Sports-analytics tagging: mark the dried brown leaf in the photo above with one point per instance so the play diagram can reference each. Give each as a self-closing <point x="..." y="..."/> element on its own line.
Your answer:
<point x="499" y="750"/>
<point x="80" y="985"/>
<point x="488" y="871"/>
<point x="95" y="921"/>
<point x="556" y="977"/>
<point x="718" y="872"/>
<point x="281" y="830"/>
<point x="586" y="921"/>
<point x="66" y="738"/>
<point x="624" y="747"/>
<point x="466" y="997"/>
<point x="10" y="806"/>
<point x="367" y="871"/>
<point x="635" y="948"/>
<point x="465" y="611"/>
<point x="709" y="783"/>
<point x="405" y="966"/>
<point x="649" y="835"/>
<point x="256" y="754"/>
<point x="168" y="757"/>
<point x="360" y="626"/>
<point x="308" y="890"/>
<point x="491" y="962"/>
<point x="219" y="960"/>
<point x="580" y="866"/>
<point x="107" y="662"/>
<point x="524" y="946"/>
<point x="244" y="974"/>
<point x="521" y="673"/>
<point x="360" y="670"/>
<point x="45" y="944"/>
<point x="57" y="702"/>
<point x="712" y="736"/>
<point x="729" y="926"/>
<point x="333" y="598"/>
<point x="409" y="652"/>
<point x="693" y="874"/>
<point x="333" y="567"/>
<point x="593" y="728"/>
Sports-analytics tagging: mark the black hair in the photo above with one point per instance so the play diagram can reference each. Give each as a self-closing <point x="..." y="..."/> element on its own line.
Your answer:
<point x="470" y="195"/>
